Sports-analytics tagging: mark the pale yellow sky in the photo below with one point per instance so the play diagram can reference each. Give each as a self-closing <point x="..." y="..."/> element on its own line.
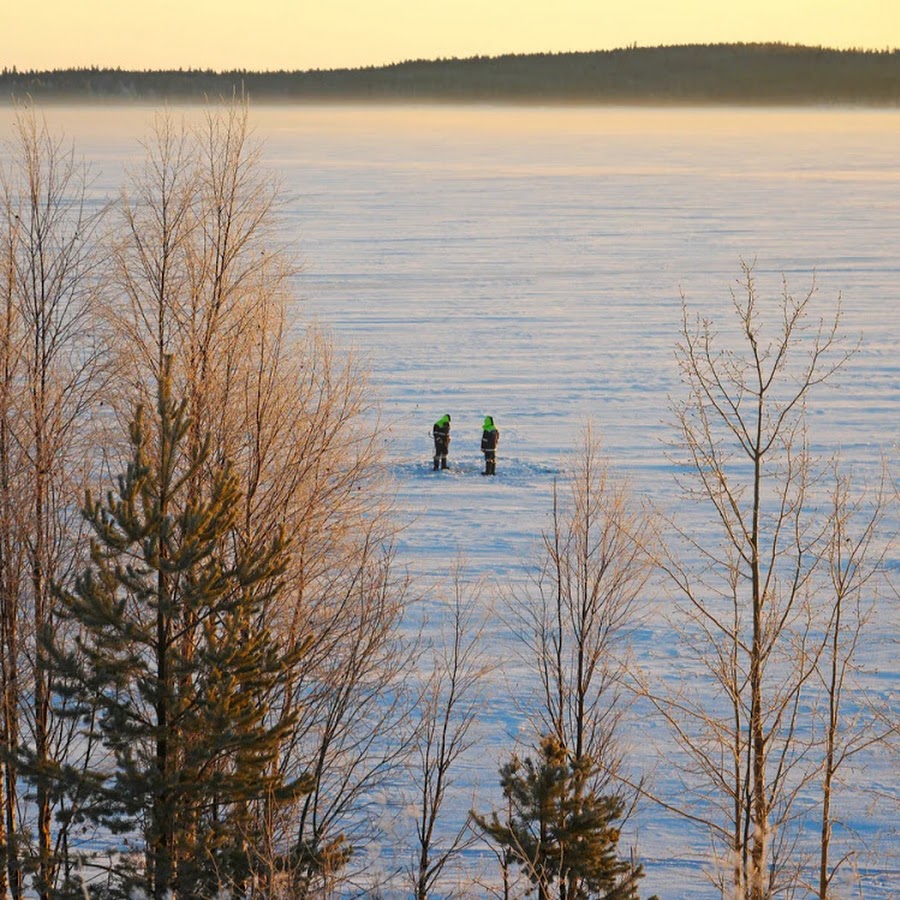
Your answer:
<point x="307" y="34"/>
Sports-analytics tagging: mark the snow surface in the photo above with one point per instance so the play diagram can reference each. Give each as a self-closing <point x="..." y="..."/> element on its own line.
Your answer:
<point x="528" y="264"/>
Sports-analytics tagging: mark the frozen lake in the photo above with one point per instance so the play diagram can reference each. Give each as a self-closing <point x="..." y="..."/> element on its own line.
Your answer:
<point x="529" y="264"/>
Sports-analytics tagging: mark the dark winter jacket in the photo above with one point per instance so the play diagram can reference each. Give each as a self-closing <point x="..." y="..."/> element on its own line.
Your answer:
<point x="490" y="437"/>
<point x="441" y="431"/>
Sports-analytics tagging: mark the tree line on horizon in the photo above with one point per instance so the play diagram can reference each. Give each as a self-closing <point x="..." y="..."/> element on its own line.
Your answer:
<point x="214" y="673"/>
<point x="770" y="73"/>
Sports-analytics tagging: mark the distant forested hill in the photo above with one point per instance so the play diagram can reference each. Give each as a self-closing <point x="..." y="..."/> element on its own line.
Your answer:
<point x="721" y="74"/>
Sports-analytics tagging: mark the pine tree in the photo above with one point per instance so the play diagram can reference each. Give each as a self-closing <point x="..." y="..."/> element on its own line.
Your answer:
<point x="559" y="831"/>
<point x="174" y="670"/>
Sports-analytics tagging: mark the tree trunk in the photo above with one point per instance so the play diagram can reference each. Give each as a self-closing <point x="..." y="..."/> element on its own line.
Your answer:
<point x="830" y="744"/>
<point x="41" y="677"/>
<point x="759" y="800"/>
<point x="9" y="605"/>
<point x="163" y="811"/>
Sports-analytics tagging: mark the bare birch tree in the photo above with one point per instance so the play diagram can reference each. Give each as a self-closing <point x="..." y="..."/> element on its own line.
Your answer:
<point x="753" y="612"/>
<point x="11" y="568"/>
<point x="574" y="620"/>
<point x="51" y="382"/>
<point x="447" y="710"/>
<point x="576" y="617"/>
<point x="854" y="557"/>
<point x="353" y="734"/>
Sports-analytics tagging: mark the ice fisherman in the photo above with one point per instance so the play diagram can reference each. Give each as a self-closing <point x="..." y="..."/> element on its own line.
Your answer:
<point x="441" y="434"/>
<point x="490" y="437"/>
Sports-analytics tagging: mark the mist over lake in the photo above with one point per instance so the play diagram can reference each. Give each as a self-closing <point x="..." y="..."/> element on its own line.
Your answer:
<point x="529" y="264"/>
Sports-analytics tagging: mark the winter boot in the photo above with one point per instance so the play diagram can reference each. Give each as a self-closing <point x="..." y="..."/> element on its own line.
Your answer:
<point x="437" y="464"/>
<point x="444" y="463"/>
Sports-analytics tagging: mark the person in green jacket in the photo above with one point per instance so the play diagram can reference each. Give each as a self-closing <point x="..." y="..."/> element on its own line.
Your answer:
<point x="441" y="434"/>
<point x="490" y="437"/>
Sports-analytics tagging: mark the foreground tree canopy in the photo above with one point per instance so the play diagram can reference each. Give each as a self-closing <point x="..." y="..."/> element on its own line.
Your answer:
<point x="228" y="677"/>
